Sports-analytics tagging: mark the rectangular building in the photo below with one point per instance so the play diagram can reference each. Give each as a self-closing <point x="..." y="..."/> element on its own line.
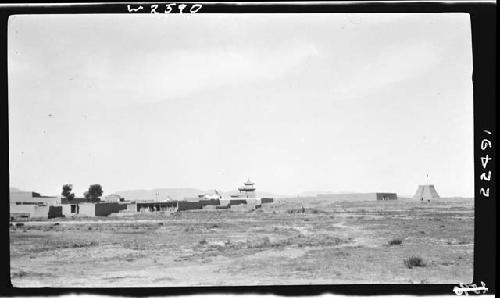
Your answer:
<point x="36" y="211"/>
<point x="98" y="209"/>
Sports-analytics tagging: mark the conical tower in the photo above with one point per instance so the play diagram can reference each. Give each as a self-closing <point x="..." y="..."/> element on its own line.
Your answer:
<point x="426" y="192"/>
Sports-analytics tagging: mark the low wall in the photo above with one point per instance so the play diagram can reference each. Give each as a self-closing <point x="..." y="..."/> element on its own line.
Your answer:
<point x="386" y="196"/>
<point x="237" y="202"/>
<point x="205" y="202"/>
<point x="55" y="211"/>
<point x="223" y="207"/>
<point x="186" y="205"/>
<point x="36" y="211"/>
<point x="105" y="209"/>
<point x="359" y="197"/>
<point x="99" y="209"/>
<point x="266" y="200"/>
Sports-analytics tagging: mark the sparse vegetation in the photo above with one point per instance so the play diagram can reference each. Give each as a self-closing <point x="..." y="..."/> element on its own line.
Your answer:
<point x="296" y="210"/>
<point x="315" y="211"/>
<point x="259" y="243"/>
<point x="414" y="261"/>
<point x="395" y="242"/>
<point x="239" y="247"/>
<point x="189" y="229"/>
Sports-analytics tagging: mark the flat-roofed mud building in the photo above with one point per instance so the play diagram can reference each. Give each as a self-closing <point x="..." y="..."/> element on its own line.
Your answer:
<point x="35" y="211"/>
<point x="152" y="206"/>
<point x="30" y="204"/>
<point x="99" y="208"/>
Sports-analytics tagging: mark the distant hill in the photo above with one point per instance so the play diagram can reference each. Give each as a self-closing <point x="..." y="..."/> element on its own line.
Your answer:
<point x="314" y="193"/>
<point x="257" y="194"/>
<point x="443" y="199"/>
<point x="457" y="199"/>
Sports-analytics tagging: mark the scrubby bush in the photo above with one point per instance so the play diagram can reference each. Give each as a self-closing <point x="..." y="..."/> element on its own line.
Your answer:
<point x="259" y="243"/>
<point x="189" y="229"/>
<point x="414" y="261"/>
<point x="296" y="210"/>
<point x="395" y="242"/>
<point x="203" y="242"/>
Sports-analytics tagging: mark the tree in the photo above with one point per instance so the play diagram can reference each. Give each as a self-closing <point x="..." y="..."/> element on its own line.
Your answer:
<point x="66" y="192"/>
<point x="94" y="193"/>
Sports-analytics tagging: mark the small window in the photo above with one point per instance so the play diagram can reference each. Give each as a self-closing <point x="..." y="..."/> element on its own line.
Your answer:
<point x="73" y="208"/>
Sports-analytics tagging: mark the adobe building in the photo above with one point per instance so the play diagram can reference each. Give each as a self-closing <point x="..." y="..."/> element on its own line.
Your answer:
<point x="168" y="206"/>
<point x="152" y="206"/>
<point x="35" y="212"/>
<point x="30" y="205"/>
<point x="113" y="198"/>
<point x="19" y="197"/>
<point x="87" y="208"/>
<point x="98" y="208"/>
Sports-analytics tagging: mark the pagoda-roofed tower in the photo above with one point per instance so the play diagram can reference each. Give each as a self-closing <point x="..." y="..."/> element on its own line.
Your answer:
<point x="248" y="190"/>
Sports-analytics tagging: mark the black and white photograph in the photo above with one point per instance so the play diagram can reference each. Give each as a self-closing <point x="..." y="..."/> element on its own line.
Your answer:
<point x="191" y="149"/>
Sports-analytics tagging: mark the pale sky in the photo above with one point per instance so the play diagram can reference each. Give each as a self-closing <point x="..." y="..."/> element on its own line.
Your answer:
<point x="295" y="102"/>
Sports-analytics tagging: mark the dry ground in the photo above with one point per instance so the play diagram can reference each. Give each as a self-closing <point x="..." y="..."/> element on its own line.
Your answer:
<point x="332" y="242"/>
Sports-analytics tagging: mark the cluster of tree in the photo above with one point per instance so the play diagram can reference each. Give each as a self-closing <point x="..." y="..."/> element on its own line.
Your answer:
<point x="93" y="194"/>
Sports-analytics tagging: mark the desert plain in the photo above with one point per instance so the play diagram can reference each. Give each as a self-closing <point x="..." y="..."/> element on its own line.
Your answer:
<point x="291" y="241"/>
